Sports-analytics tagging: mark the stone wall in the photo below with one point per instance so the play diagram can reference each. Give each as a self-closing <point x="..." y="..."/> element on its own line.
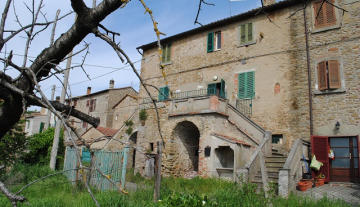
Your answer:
<point x="176" y="159"/>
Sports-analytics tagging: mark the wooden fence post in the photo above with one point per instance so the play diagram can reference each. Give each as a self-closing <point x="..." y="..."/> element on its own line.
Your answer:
<point x="158" y="172"/>
<point x="124" y="164"/>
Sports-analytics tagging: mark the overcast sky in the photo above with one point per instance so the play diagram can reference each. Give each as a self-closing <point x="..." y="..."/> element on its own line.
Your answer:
<point x="135" y="27"/>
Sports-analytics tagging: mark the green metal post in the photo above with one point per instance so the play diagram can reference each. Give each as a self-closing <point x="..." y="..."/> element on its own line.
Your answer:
<point x="124" y="164"/>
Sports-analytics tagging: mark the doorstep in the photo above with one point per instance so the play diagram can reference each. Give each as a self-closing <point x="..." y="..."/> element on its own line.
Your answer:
<point x="342" y="184"/>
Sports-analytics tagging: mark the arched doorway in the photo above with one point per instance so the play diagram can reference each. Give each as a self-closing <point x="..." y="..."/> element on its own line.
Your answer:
<point x="187" y="136"/>
<point x="132" y="153"/>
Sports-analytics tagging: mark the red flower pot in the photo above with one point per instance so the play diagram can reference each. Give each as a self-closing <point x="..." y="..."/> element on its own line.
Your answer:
<point x="308" y="181"/>
<point x="302" y="186"/>
<point x="321" y="181"/>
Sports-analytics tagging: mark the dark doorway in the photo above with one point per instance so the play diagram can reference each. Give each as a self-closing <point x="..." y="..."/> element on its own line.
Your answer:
<point x="189" y="135"/>
<point x="133" y="140"/>
<point x="345" y="166"/>
<point x="217" y="89"/>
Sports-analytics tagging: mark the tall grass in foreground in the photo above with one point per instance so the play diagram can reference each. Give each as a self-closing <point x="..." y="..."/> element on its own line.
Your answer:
<point x="57" y="191"/>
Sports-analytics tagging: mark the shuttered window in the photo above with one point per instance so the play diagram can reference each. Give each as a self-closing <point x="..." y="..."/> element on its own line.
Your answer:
<point x="246" y="85"/>
<point x="324" y="14"/>
<point x="329" y="75"/>
<point x="210" y="42"/>
<point x="246" y="33"/>
<point x="166" y="53"/>
<point x="164" y="93"/>
<point x="42" y="125"/>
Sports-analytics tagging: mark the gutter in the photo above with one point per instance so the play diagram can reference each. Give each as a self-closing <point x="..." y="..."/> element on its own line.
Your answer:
<point x="309" y="71"/>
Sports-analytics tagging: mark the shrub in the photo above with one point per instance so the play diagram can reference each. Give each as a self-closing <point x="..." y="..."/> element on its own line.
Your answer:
<point x="129" y="123"/>
<point x="143" y="115"/>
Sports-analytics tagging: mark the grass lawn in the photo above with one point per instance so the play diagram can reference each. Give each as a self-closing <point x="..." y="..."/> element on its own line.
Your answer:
<point x="58" y="191"/>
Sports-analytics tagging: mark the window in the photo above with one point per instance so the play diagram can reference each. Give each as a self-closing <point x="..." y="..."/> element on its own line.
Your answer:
<point x="164" y="93"/>
<point x="218" y="40"/>
<point x="42" y="125"/>
<point x="213" y="41"/>
<point x="28" y="124"/>
<point x="247" y="34"/>
<point x="166" y="53"/>
<point x="84" y="125"/>
<point x="87" y="103"/>
<point x="246" y="83"/>
<point x="277" y="139"/>
<point x="325" y="15"/>
<point x="92" y="105"/>
<point x="75" y="103"/>
<point x="329" y="76"/>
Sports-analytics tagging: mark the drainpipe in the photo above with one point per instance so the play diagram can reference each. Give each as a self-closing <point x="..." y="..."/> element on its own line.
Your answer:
<point x="309" y="71"/>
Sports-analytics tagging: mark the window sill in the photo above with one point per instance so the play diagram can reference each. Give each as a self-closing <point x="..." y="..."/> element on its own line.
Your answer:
<point x="341" y="90"/>
<point x="167" y="63"/>
<point x="323" y="29"/>
<point x="247" y="44"/>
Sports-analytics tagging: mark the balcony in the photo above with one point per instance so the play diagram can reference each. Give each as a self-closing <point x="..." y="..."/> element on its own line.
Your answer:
<point x="188" y="94"/>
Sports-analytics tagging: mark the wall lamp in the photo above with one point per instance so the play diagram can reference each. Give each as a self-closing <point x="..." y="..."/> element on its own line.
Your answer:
<point x="337" y="126"/>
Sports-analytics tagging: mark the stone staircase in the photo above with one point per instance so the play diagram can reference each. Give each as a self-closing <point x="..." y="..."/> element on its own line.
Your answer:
<point x="273" y="164"/>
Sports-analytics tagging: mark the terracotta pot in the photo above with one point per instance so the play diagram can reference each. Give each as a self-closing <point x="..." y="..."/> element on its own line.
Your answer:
<point x="317" y="184"/>
<point x="302" y="186"/>
<point x="142" y="122"/>
<point x="321" y="181"/>
<point x="308" y="181"/>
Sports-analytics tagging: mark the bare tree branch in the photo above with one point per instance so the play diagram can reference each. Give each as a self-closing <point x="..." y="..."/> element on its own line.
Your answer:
<point x="197" y="16"/>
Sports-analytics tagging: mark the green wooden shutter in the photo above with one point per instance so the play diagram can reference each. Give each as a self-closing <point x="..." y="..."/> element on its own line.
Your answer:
<point x="165" y="91"/>
<point x="222" y="89"/>
<point x="210" y="42"/>
<point x="249" y="32"/>
<point x="85" y="157"/>
<point x="242" y="85"/>
<point x="250" y="84"/>
<point x="211" y="88"/>
<point x="246" y="83"/>
<point x="163" y="54"/>
<point x="242" y="34"/>
<point x="42" y="124"/>
<point x="168" y="53"/>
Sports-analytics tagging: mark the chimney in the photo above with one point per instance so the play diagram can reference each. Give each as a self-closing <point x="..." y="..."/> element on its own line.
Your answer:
<point x="112" y="82"/>
<point x="57" y="98"/>
<point x="88" y="91"/>
<point x="269" y="2"/>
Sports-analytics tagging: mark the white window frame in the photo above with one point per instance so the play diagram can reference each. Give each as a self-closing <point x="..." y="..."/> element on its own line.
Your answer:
<point x="216" y="40"/>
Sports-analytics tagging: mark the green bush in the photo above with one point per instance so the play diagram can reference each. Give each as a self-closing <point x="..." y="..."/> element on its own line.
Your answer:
<point x="129" y="123"/>
<point x="40" y="146"/>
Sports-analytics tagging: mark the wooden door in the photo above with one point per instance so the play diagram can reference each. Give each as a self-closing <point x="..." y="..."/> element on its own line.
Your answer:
<point x="345" y="166"/>
<point x="319" y="148"/>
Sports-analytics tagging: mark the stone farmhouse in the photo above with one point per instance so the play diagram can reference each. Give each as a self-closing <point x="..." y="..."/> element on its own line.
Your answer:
<point x="104" y="104"/>
<point x="242" y="86"/>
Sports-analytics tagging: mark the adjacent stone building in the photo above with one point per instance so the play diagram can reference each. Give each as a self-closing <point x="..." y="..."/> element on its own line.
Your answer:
<point x="234" y="79"/>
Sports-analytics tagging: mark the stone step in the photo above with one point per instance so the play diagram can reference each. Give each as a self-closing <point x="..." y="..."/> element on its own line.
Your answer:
<point x="278" y="154"/>
<point x="270" y="178"/>
<point x="274" y="164"/>
<point x="275" y="159"/>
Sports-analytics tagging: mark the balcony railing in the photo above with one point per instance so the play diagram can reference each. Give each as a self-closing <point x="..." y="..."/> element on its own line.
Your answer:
<point x="244" y="106"/>
<point x="190" y="94"/>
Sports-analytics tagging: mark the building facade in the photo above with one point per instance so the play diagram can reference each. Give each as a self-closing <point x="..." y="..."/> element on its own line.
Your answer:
<point x="247" y="66"/>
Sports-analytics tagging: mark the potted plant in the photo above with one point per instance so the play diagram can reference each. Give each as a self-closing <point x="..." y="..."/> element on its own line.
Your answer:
<point x="317" y="184"/>
<point x="143" y="116"/>
<point x="302" y="186"/>
<point x="320" y="179"/>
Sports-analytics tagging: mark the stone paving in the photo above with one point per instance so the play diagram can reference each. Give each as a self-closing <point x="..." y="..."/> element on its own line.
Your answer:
<point x="350" y="193"/>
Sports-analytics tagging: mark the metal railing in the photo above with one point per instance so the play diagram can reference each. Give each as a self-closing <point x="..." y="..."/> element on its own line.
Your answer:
<point x="244" y="106"/>
<point x="190" y="94"/>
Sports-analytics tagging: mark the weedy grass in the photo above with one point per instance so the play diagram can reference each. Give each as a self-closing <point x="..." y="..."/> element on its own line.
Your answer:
<point x="57" y="191"/>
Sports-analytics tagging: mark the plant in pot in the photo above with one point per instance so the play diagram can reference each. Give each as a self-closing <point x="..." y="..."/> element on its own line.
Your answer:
<point x="302" y="186"/>
<point x="143" y="116"/>
<point x="320" y="179"/>
<point x="317" y="184"/>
